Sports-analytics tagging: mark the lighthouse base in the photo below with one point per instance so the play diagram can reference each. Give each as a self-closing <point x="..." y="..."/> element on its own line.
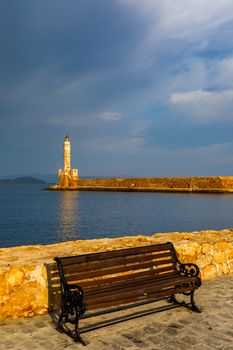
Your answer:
<point x="68" y="179"/>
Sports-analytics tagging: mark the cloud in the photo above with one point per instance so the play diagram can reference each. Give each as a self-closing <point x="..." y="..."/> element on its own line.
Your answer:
<point x="183" y="39"/>
<point x="221" y="73"/>
<point x="85" y="119"/>
<point x="116" y="145"/>
<point x="138" y="134"/>
<point x="131" y="140"/>
<point x="111" y="116"/>
<point x="181" y="19"/>
<point x="189" y="97"/>
<point x="204" y="106"/>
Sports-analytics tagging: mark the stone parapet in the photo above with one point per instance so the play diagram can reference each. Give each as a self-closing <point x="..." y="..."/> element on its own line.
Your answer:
<point x="23" y="277"/>
<point x="209" y="184"/>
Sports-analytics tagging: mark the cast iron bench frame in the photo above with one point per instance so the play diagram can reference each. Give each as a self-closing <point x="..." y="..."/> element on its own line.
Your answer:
<point x="120" y="279"/>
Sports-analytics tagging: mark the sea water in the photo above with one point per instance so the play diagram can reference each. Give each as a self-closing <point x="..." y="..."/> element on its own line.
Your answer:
<point x="29" y="215"/>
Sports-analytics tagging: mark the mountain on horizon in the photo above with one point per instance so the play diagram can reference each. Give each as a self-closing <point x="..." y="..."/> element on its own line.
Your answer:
<point x="25" y="180"/>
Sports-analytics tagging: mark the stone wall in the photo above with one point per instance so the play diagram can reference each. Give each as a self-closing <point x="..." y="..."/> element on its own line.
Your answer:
<point x="23" y="276"/>
<point x="182" y="184"/>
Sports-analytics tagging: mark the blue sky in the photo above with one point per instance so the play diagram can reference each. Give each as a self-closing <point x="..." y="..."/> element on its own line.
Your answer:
<point x="143" y="88"/>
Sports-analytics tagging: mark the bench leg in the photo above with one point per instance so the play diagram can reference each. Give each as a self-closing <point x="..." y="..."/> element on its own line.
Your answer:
<point x="64" y="318"/>
<point x="194" y="306"/>
<point x="59" y="324"/>
<point x="77" y="337"/>
<point x="173" y="300"/>
<point x="75" y="334"/>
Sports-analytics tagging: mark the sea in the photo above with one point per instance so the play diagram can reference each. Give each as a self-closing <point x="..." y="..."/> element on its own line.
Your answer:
<point x="31" y="215"/>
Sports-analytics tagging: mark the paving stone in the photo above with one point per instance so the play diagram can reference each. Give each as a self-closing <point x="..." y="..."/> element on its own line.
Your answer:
<point x="189" y="339"/>
<point x="214" y="342"/>
<point x="185" y="321"/>
<point x="202" y="346"/>
<point x="152" y="329"/>
<point x="124" y="342"/>
<point x="171" y="331"/>
<point x="40" y="324"/>
<point x="175" y="325"/>
<point x="154" y="339"/>
<point x="230" y="333"/>
<point x="9" y="345"/>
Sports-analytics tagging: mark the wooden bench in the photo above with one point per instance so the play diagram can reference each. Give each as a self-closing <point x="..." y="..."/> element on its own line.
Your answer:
<point x="99" y="283"/>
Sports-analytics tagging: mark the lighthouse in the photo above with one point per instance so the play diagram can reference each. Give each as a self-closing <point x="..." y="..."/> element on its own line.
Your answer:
<point x="67" y="177"/>
<point x="67" y="155"/>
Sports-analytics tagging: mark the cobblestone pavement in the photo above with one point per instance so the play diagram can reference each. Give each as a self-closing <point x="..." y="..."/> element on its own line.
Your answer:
<point x="178" y="329"/>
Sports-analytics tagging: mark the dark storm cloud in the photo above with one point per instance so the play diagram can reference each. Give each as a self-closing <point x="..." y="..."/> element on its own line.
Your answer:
<point x="59" y="65"/>
<point x="66" y="39"/>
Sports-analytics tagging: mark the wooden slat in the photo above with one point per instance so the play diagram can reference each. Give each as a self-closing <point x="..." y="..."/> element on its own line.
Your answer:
<point x="113" y="270"/>
<point x="102" y="282"/>
<point x="82" y="267"/>
<point x="72" y="278"/>
<point x="164" y="293"/>
<point x="121" y="280"/>
<point x="121" y="269"/>
<point x="116" y="253"/>
<point x="128" y="277"/>
<point x="76" y="268"/>
<point x="136" y="290"/>
<point x="126" y="285"/>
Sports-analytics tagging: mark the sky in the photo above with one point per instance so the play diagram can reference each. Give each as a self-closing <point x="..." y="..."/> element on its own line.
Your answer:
<point x="143" y="88"/>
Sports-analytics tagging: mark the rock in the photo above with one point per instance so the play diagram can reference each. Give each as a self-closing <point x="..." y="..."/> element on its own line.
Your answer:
<point x="207" y="248"/>
<point x="225" y="269"/>
<point x="209" y="272"/>
<point x="204" y="260"/>
<point x="220" y="257"/>
<point x="14" y="277"/>
<point x="222" y="246"/>
<point x="230" y="253"/>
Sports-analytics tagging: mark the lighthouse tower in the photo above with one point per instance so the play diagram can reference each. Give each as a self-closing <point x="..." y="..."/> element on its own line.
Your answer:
<point x="67" y="155"/>
<point x="67" y="177"/>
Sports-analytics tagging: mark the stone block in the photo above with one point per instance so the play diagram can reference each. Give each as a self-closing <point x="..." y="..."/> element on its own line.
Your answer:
<point x="225" y="269"/>
<point x="189" y="252"/>
<point x="231" y="266"/>
<point x="230" y="253"/>
<point x="14" y="277"/>
<point x="207" y="248"/>
<point x="209" y="272"/>
<point x="204" y="260"/>
<point x="222" y="246"/>
<point x="220" y="257"/>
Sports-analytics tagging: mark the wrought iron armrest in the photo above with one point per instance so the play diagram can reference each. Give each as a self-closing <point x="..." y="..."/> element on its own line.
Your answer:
<point x="72" y="300"/>
<point x="72" y="288"/>
<point x="72" y="293"/>
<point x="190" y="270"/>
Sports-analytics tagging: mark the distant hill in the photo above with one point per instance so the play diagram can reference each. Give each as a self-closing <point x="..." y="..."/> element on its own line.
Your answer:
<point x="25" y="180"/>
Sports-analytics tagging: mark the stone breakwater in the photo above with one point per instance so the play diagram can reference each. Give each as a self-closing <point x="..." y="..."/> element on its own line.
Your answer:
<point x="209" y="184"/>
<point x="23" y="276"/>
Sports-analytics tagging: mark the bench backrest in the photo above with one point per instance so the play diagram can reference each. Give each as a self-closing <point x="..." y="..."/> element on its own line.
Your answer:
<point x="93" y="272"/>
